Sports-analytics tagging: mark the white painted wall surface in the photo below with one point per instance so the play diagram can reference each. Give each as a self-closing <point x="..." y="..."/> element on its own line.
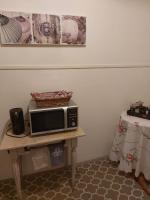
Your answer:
<point x="117" y="34"/>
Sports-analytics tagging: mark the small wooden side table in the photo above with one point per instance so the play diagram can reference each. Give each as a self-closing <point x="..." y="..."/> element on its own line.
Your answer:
<point x="131" y="147"/>
<point x="17" y="147"/>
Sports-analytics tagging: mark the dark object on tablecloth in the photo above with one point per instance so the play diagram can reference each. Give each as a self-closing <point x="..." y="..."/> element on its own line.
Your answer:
<point x="138" y="110"/>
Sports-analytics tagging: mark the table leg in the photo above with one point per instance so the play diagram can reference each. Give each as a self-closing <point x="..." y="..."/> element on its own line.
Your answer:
<point x="73" y="159"/>
<point x="68" y="153"/>
<point x="15" y="159"/>
<point x="142" y="182"/>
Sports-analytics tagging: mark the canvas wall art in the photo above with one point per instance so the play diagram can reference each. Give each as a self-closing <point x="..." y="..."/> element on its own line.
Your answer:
<point x="23" y="28"/>
<point x="46" y="29"/>
<point x="73" y="30"/>
<point x="15" y="28"/>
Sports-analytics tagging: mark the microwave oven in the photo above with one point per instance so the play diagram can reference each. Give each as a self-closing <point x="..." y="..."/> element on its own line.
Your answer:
<point x="52" y="119"/>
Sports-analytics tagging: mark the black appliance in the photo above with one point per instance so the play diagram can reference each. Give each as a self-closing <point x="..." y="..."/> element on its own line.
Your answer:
<point x="17" y="120"/>
<point x="49" y="120"/>
<point x="138" y="110"/>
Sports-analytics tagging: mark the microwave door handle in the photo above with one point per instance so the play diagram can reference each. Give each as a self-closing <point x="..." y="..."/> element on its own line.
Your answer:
<point x="65" y="118"/>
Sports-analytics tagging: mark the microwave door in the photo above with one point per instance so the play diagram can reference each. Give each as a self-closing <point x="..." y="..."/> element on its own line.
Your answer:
<point x="47" y="121"/>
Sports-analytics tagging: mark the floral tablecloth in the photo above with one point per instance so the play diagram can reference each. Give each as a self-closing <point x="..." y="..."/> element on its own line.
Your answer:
<point x="131" y="145"/>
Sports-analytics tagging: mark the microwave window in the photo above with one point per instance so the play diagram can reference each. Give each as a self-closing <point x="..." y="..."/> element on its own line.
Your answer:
<point x="47" y="120"/>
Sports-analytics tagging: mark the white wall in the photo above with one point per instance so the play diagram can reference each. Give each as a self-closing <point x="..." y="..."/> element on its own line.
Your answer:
<point x="117" y="35"/>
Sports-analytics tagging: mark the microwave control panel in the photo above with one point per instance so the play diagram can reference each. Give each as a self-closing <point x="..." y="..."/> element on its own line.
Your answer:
<point x="72" y="117"/>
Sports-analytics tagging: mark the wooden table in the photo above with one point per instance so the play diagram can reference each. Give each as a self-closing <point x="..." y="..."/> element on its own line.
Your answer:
<point x="17" y="147"/>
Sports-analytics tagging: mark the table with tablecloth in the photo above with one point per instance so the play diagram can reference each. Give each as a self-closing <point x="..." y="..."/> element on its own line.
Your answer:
<point x="131" y="145"/>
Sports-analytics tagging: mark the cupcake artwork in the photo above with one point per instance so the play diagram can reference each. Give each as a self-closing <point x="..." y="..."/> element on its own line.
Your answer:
<point x="73" y="30"/>
<point x="22" y="28"/>
<point x="46" y="29"/>
<point x="15" y="28"/>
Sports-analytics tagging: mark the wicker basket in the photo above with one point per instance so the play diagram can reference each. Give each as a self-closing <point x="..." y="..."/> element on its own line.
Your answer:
<point x="50" y="99"/>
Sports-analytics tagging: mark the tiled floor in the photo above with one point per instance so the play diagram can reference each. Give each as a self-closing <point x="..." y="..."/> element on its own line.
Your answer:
<point x="97" y="179"/>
